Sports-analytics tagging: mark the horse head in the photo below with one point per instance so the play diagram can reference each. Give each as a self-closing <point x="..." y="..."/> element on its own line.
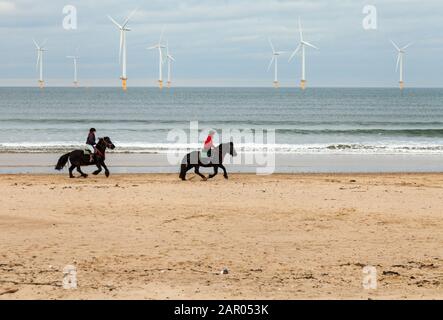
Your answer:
<point x="106" y="141"/>
<point x="232" y="150"/>
<point x="228" y="148"/>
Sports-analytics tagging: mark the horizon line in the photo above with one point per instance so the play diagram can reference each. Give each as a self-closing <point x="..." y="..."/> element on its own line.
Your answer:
<point x="221" y="86"/>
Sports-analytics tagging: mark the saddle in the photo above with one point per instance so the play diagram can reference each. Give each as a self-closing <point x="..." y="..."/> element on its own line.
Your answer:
<point x="87" y="156"/>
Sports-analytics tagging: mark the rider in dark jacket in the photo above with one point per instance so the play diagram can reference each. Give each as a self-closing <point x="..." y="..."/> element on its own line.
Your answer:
<point x="90" y="143"/>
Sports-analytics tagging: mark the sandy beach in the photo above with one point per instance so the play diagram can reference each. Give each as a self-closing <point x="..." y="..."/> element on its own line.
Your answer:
<point x="284" y="236"/>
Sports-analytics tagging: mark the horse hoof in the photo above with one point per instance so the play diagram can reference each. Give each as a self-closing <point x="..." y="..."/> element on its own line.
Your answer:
<point x="71" y="177"/>
<point x="226" y="177"/>
<point x="107" y="174"/>
<point x="85" y="176"/>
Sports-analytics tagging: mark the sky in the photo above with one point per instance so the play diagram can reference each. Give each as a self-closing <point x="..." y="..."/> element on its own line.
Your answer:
<point x="224" y="42"/>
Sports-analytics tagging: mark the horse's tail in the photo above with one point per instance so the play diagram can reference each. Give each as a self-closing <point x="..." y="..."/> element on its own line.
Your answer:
<point x="62" y="162"/>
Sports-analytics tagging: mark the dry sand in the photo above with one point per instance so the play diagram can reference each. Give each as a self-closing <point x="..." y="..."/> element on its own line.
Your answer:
<point x="152" y="236"/>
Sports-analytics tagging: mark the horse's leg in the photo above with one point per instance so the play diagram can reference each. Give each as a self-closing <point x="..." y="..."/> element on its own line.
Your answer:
<point x="183" y="169"/>
<point x="106" y="168"/>
<point x="84" y="175"/>
<point x="71" y="168"/>
<point x="197" y="171"/>
<point x="215" y="173"/>
<point x="99" y="169"/>
<point x="225" y="173"/>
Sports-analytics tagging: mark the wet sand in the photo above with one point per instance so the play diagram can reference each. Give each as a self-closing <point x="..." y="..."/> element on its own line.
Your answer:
<point x="43" y="163"/>
<point x="284" y="236"/>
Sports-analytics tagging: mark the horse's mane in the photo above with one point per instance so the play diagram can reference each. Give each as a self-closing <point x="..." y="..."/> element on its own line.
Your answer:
<point x="224" y="144"/>
<point x="102" y="139"/>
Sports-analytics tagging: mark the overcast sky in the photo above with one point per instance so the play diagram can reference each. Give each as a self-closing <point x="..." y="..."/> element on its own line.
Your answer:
<point x="224" y="42"/>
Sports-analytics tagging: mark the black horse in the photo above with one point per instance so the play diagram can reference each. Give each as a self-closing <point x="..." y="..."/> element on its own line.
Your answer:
<point x="193" y="160"/>
<point x="78" y="158"/>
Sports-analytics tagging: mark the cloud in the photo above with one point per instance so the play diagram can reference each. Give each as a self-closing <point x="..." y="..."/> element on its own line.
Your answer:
<point x="7" y="7"/>
<point x="217" y="39"/>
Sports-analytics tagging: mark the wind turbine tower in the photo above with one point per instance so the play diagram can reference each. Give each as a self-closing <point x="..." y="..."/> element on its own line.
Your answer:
<point x="159" y="46"/>
<point x="122" y="52"/>
<point x="400" y="65"/>
<point x="170" y="59"/>
<point x="302" y="45"/>
<point x="74" y="59"/>
<point x="39" y="66"/>
<point x="274" y="60"/>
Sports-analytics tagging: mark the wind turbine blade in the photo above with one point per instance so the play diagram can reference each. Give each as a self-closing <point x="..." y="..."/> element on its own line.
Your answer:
<point x="310" y="45"/>
<point x="129" y="17"/>
<point x="151" y="48"/>
<point x="398" y="61"/>
<point x="272" y="46"/>
<point x="300" y="29"/>
<point x="161" y="35"/>
<point x="115" y="22"/>
<point x="36" y="45"/>
<point x="171" y="58"/>
<point x="43" y="43"/>
<point x="295" y="52"/>
<point x="407" y="46"/>
<point x="396" y="47"/>
<point x="270" y="63"/>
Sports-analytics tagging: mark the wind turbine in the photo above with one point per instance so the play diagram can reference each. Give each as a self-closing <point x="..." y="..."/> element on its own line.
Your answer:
<point x="39" y="65"/>
<point x="302" y="45"/>
<point x="159" y="46"/>
<point x="401" y="52"/>
<point x="74" y="59"/>
<point x="122" y="53"/>
<point x="275" y="55"/>
<point x="170" y="59"/>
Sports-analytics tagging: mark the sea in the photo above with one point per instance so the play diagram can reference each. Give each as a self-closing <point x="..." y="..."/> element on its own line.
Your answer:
<point x="318" y="123"/>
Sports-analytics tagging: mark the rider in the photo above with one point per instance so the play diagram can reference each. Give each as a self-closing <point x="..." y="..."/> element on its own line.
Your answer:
<point x="209" y="143"/>
<point x="90" y="143"/>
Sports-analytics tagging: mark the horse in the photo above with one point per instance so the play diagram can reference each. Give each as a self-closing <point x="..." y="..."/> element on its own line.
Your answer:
<point x="193" y="160"/>
<point x="78" y="158"/>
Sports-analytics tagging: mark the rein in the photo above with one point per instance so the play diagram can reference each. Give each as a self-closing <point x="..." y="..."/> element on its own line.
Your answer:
<point x="99" y="152"/>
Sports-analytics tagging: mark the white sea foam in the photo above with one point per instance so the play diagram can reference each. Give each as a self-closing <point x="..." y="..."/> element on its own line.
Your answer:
<point x="143" y="147"/>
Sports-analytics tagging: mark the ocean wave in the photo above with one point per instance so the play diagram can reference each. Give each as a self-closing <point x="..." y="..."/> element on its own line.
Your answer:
<point x="427" y="130"/>
<point x="229" y="122"/>
<point x="163" y="148"/>
<point x="432" y="133"/>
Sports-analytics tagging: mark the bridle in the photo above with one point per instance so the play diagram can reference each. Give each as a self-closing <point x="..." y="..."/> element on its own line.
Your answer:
<point x="100" y="153"/>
